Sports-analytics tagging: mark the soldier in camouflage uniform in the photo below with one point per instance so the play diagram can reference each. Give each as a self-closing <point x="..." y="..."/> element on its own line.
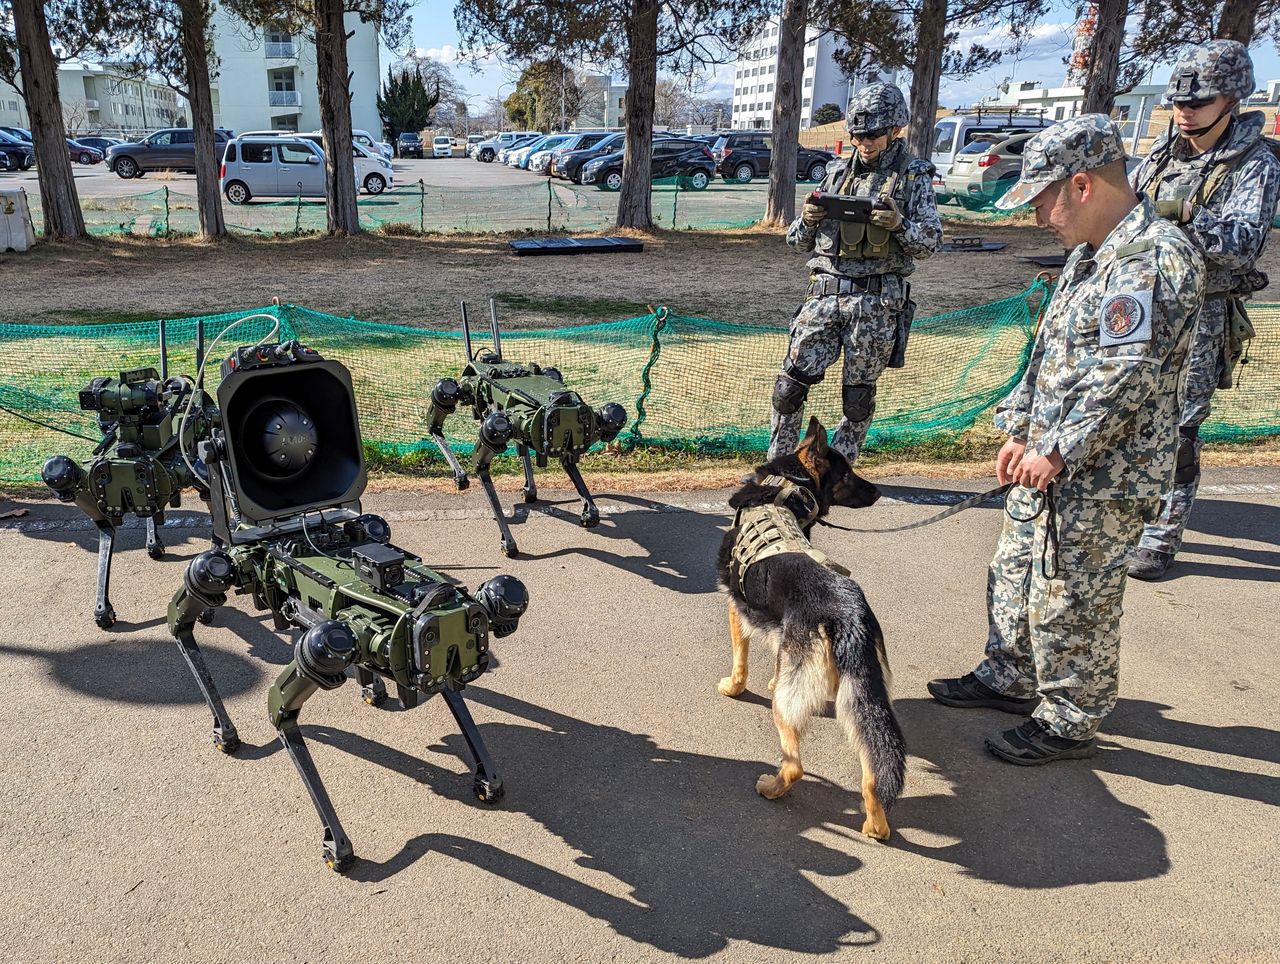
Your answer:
<point x="1218" y="178"/>
<point x="1091" y="444"/>
<point x="858" y="299"/>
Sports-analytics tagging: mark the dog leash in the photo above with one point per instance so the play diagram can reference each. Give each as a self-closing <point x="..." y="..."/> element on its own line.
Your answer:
<point x="946" y="513"/>
<point x="1045" y="507"/>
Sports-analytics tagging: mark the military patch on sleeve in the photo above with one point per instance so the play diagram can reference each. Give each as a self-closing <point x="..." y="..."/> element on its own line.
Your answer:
<point x="1126" y="319"/>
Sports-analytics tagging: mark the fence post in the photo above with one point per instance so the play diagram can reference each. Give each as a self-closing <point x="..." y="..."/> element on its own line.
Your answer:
<point x="675" y="201"/>
<point x="550" y="195"/>
<point x="659" y="322"/>
<point x="166" y="210"/>
<point x="297" y="218"/>
<point x="422" y="206"/>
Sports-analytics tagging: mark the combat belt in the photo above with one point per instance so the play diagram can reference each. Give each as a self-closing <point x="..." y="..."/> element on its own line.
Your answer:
<point x="772" y="529"/>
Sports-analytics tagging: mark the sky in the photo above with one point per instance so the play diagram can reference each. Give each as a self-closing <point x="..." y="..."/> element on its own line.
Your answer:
<point x="1041" y="60"/>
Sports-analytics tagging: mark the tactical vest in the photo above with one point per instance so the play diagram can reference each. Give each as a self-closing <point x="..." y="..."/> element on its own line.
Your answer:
<point x="1198" y="188"/>
<point x="771" y="529"/>
<point x="870" y="241"/>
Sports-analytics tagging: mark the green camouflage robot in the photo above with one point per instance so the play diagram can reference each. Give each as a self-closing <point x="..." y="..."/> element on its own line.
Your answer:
<point x="286" y="472"/>
<point x="525" y="403"/>
<point x="150" y="427"/>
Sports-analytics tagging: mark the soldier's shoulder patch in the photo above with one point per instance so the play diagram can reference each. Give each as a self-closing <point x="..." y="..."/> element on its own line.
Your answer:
<point x="1126" y="319"/>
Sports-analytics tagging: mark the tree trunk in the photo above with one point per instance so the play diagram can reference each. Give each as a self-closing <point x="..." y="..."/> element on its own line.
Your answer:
<point x="635" y="202"/>
<point x="1238" y="21"/>
<point x="780" y="207"/>
<point x="333" y="87"/>
<point x="195" y="54"/>
<point x="1104" y="57"/>
<point x="926" y="73"/>
<point x="58" y="198"/>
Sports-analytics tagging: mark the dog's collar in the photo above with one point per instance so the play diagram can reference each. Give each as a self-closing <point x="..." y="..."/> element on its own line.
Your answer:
<point x="790" y="491"/>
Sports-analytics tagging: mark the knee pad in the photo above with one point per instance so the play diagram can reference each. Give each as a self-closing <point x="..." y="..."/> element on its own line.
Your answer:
<point x="1188" y="464"/>
<point x="789" y="395"/>
<point x="858" y="402"/>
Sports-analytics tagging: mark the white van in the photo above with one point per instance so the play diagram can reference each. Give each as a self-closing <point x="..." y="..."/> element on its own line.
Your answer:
<point x="442" y="146"/>
<point x="955" y="131"/>
<point x="373" y="171"/>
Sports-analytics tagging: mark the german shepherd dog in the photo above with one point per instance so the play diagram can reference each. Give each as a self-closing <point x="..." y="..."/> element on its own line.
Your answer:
<point x="825" y="636"/>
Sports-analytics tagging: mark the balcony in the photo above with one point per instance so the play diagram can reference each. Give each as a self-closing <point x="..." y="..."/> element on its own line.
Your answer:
<point x="282" y="51"/>
<point x="90" y="104"/>
<point x="285" y="98"/>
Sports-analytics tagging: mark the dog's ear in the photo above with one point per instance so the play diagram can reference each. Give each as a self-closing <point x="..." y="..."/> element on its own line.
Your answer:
<point x="816" y="437"/>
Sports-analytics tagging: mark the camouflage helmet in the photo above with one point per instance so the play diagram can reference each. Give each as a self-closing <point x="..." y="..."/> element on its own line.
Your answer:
<point x="1217" y="67"/>
<point x="876" y="107"/>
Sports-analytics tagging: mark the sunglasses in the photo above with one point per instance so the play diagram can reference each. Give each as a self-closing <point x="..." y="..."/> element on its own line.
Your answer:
<point x="870" y="135"/>
<point x="1192" y="103"/>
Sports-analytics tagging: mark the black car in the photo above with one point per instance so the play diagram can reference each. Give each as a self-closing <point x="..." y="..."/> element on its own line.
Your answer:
<point x="672" y="157"/>
<point x="742" y="155"/>
<point x="101" y="143"/>
<point x="409" y="144"/>
<point x="569" y="165"/>
<point x="15" y="155"/>
<point x="583" y="141"/>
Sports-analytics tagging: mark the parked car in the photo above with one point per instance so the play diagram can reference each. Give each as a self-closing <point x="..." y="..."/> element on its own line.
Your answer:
<point x="538" y="159"/>
<point x="672" y="157"/>
<point x="955" y="131"/>
<point x="373" y="171"/>
<point x="985" y="168"/>
<point x="488" y="150"/>
<point x="170" y="149"/>
<point x="472" y="141"/>
<point x="743" y="155"/>
<point x="365" y="140"/>
<point x="409" y="144"/>
<point x="569" y="165"/>
<point x="519" y="157"/>
<point x="101" y="143"/>
<point x="18" y="133"/>
<point x="580" y="141"/>
<point x="15" y="154"/>
<point x="442" y="146"/>
<point x="271" y="167"/>
<point x="82" y="153"/>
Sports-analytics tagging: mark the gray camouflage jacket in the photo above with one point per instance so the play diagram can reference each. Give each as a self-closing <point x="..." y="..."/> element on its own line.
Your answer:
<point x="1232" y="227"/>
<point x="921" y="232"/>
<point x="1102" y="383"/>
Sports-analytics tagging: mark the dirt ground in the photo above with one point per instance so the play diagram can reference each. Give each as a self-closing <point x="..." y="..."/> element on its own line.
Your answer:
<point x="745" y="276"/>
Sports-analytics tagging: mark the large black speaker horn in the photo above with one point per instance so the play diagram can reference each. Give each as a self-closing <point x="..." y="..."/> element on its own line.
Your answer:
<point x="293" y="439"/>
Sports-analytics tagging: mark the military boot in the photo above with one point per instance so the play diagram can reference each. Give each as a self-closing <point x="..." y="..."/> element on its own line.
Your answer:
<point x="1033" y="743"/>
<point x="968" y="692"/>
<point x="1149" y="564"/>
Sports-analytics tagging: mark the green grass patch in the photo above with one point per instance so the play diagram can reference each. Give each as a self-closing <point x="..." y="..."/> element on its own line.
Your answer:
<point x="593" y="309"/>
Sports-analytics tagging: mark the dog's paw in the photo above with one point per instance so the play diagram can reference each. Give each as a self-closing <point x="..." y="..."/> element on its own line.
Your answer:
<point x="772" y="787"/>
<point x="729" y="687"/>
<point x="876" y="829"/>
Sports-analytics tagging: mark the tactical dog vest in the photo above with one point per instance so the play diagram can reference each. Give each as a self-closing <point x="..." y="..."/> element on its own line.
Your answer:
<point x="771" y="529"/>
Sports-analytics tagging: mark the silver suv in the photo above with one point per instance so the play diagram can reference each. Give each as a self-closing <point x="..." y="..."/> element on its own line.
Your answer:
<point x="171" y="149"/>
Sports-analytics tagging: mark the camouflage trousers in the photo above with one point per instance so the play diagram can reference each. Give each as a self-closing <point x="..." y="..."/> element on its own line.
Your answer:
<point x="864" y="326"/>
<point x="1054" y="624"/>
<point x="1204" y="368"/>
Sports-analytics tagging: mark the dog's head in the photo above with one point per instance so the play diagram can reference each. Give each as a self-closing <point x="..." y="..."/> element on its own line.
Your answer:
<point x="820" y="469"/>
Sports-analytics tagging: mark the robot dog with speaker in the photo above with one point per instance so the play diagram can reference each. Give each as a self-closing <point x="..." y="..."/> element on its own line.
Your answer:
<point x="286" y="472"/>
<point x="150" y="427"/>
<point x="527" y="404"/>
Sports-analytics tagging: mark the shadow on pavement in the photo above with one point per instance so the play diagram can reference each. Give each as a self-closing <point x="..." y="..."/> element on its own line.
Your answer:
<point x="701" y="859"/>
<point x="680" y="545"/>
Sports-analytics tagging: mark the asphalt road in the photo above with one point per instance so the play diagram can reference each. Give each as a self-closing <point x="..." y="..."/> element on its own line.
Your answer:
<point x="631" y="829"/>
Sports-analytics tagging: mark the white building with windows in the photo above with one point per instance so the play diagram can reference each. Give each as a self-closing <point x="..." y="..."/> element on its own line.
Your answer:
<point x="267" y="78"/>
<point x="604" y="102"/>
<point x="755" y="78"/>
<point x="98" y="99"/>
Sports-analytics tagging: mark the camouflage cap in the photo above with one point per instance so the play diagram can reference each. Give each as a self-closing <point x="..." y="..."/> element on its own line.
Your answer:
<point x="1217" y="67"/>
<point x="1082" y="143"/>
<point x="876" y="107"/>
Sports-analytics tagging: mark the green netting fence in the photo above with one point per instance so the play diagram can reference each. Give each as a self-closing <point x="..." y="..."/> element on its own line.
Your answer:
<point x="686" y="382"/>
<point x="541" y="205"/>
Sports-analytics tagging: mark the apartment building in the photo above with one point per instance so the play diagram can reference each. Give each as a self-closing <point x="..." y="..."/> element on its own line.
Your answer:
<point x="755" y="78"/>
<point x="604" y="102"/>
<point x="98" y="99"/>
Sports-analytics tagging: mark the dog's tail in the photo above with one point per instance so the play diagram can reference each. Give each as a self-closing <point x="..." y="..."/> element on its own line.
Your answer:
<point x="864" y="708"/>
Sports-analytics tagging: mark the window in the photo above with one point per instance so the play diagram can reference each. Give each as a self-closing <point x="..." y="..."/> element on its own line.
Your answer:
<point x="806" y="102"/>
<point x="184" y="137"/>
<point x="766" y="142"/>
<point x="811" y="61"/>
<point x="255" y="153"/>
<point x="772" y="68"/>
<point x="944" y="134"/>
<point x="1059" y="112"/>
<point x="281" y="79"/>
<point x="293" y="154"/>
<point x="161" y="139"/>
<point x="279" y="37"/>
<point x="808" y="81"/>
<point x="769" y="87"/>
